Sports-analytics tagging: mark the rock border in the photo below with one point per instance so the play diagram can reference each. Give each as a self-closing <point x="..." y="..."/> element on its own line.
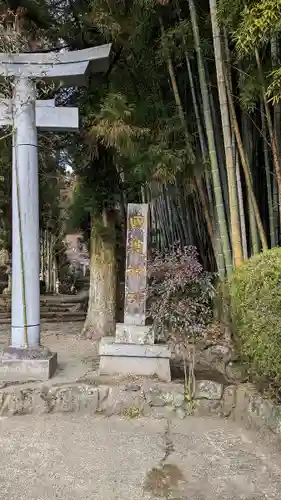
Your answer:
<point x="148" y="397"/>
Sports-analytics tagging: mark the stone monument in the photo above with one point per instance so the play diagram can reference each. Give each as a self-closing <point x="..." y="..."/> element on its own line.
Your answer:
<point x="133" y="351"/>
<point x="25" y="358"/>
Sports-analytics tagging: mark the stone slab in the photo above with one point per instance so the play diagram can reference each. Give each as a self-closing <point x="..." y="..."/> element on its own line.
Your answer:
<point x="21" y="370"/>
<point x="136" y="365"/>
<point x="109" y="348"/>
<point x="136" y="264"/>
<point x="134" y="334"/>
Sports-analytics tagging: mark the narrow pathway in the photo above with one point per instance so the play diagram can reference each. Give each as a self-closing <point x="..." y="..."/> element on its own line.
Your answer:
<point x="71" y="457"/>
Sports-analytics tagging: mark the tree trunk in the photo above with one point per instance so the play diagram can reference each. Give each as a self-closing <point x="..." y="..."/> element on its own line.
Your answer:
<point x="100" y="320"/>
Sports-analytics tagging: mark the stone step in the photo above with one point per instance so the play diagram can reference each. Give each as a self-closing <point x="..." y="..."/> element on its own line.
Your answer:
<point x="50" y="317"/>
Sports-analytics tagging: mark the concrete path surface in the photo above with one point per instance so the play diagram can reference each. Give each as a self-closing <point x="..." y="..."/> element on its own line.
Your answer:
<point x="71" y="457"/>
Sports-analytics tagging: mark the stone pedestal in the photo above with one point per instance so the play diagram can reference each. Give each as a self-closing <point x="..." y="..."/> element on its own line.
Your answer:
<point x="132" y="351"/>
<point x="134" y="359"/>
<point x="22" y="365"/>
<point x="133" y="334"/>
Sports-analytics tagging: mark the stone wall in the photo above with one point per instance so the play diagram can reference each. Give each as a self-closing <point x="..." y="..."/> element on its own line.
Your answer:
<point x="134" y="398"/>
<point x="221" y="389"/>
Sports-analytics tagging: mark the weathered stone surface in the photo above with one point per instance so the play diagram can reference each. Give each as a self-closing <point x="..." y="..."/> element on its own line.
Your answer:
<point x="244" y="394"/>
<point x="136" y="264"/>
<point x="13" y="369"/>
<point x="203" y="407"/>
<point x="134" y="334"/>
<point x="109" y="348"/>
<point x="228" y="401"/>
<point x="132" y="359"/>
<point x="255" y="410"/>
<point x="124" y="402"/>
<point x="236" y="371"/>
<point x="213" y="358"/>
<point x="164" y="394"/>
<point x="21" y="353"/>
<point x="239" y="402"/>
<point x="207" y="389"/>
<point x="221" y="352"/>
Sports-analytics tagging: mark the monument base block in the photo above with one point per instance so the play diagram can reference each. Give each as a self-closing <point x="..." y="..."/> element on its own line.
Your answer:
<point x="134" y="334"/>
<point x="21" y="365"/>
<point x="134" y="359"/>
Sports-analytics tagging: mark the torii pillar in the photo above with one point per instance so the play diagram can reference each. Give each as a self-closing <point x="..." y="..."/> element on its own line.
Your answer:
<point x="25" y="115"/>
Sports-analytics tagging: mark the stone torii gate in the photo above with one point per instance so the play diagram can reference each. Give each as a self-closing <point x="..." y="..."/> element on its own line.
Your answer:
<point x="25" y="115"/>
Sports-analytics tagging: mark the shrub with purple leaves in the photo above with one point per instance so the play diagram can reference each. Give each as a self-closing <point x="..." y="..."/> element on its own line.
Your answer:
<point x="180" y="296"/>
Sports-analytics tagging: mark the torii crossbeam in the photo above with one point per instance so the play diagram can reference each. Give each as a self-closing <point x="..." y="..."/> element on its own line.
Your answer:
<point x="25" y="115"/>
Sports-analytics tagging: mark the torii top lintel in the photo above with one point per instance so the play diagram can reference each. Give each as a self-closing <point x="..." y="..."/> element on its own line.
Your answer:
<point x="67" y="68"/>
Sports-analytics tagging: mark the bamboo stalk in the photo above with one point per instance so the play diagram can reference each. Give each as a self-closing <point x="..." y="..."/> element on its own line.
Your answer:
<point x="268" y="182"/>
<point x="232" y="187"/>
<point x="241" y="207"/>
<point x="219" y="203"/>
<point x="276" y="109"/>
<point x="246" y="169"/>
<point x="270" y="125"/>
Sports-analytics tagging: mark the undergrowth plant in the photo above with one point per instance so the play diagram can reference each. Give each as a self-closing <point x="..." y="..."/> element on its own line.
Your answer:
<point x="180" y="303"/>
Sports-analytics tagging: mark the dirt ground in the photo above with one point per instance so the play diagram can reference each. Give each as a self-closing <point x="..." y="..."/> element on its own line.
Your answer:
<point x="76" y="356"/>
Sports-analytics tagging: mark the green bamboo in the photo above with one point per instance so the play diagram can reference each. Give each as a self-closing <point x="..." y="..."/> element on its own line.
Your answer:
<point x="270" y="125"/>
<point x="220" y="209"/>
<point x="232" y="187"/>
<point x="246" y="170"/>
<point x="248" y="136"/>
<point x="240" y="201"/>
<point x="275" y="57"/>
<point x="235" y="154"/>
<point x="268" y="182"/>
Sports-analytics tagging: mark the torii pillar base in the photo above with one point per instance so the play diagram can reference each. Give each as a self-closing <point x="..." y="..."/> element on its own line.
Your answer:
<point x="22" y="365"/>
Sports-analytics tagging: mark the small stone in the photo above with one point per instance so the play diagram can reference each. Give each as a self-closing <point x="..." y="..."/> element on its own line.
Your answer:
<point x="208" y="389"/>
<point x="236" y="372"/>
<point x="117" y="399"/>
<point x="103" y="393"/>
<point x="132" y="387"/>
<point x="155" y="398"/>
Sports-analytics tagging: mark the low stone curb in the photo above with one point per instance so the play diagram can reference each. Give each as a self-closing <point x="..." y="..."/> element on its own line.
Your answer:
<point x="239" y="402"/>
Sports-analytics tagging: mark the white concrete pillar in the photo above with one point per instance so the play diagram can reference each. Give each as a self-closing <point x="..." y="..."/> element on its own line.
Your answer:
<point x="25" y="227"/>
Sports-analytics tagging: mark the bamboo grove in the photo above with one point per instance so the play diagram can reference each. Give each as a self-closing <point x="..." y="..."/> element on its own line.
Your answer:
<point x="192" y="109"/>
<point x="187" y="118"/>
